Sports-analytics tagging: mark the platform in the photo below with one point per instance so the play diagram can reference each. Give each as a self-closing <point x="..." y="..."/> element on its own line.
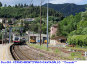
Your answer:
<point x="5" y="52"/>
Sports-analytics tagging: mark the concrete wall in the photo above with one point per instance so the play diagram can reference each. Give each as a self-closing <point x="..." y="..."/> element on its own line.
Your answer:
<point x="53" y="31"/>
<point x="52" y="42"/>
<point x="1" y="20"/>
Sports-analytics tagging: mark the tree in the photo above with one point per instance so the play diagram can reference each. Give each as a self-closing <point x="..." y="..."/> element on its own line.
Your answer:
<point x="0" y="4"/>
<point x="16" y="6"/>
<point x="1" y="26"/>
<point x="25" y="5"/>
<point x="5" y="5"/>
<point x="21" y="6"/>
<point x="69" y="24"/>
<point x="9" y="21"/>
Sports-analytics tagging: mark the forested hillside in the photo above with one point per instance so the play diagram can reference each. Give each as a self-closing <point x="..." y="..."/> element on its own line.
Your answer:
<point x="75" y="29"/>
<point x="67" y="8"/>
<point x="22" y="11"/>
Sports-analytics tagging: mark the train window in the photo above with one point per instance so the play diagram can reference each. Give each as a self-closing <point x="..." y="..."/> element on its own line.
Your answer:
<point x="16" y="38"/>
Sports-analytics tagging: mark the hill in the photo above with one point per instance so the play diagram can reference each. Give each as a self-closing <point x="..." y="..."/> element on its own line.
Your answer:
<point x="67" y="8"/>
<point x="26" y="12"/>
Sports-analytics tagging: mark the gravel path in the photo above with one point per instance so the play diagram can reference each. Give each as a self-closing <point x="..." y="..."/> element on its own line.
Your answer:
<point x="5" y="52"/>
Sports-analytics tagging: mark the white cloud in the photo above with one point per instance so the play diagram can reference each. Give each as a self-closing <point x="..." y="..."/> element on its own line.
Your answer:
<point x="37" y="2"/>
<point x="13" y="2"/>
<point x="68" y="1"/>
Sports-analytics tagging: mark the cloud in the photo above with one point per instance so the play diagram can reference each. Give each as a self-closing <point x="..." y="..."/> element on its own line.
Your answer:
<point x="68" y="1"/>
<point x="13" y="2"/>
<point x="37" y="2"/>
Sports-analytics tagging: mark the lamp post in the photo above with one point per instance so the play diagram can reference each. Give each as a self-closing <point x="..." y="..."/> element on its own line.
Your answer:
<point x="47" y="23"/>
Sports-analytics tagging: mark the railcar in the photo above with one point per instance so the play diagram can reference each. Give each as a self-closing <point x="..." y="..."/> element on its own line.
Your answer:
<point x="18" y="40"/>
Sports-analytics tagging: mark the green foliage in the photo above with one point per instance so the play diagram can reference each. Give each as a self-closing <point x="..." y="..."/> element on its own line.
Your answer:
<point x="0" y="4"/>
<point x="84" y="31"/>
<point x="82" y="24"/>
<point x="80" y="40"/>
<point x="20" y="11"/>
<point x="9" y="21"/>
<point x="69" y="24"/>
<point x="72" y="54"/>
<point x="56" y="50"/>
<point x="1" y="26"/>
<point x="84" y="16"/>
<point x="35" y="25"/>
<point x="67" y="8"/>
<point x="52" y="36"/>
<point x="74" y="25"/>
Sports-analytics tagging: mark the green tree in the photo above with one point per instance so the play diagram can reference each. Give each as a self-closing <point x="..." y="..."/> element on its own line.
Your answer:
<point x="0" y="4"/>
<point x="1" y="26"/>
<point x="69" y="24"/>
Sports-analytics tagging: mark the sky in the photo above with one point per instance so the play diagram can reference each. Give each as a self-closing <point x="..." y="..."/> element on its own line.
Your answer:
<point x="37" y="2"/>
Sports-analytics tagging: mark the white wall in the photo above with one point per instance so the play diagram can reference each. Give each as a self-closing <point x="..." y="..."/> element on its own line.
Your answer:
<point x="52" y="42"/>
<point x="1" y="20"/>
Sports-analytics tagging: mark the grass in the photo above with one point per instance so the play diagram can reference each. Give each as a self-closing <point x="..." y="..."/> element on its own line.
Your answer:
<point x="41" y="55"/>
<point x="77" y="48"/>
<point x="72" y="55"/>
<point x="42" y="47"/>
<point x="57" y="51"/>
<point x="76" y="55"/>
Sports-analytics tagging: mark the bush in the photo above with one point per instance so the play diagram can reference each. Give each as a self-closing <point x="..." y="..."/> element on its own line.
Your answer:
<point x="52" y="36"/>
<point x="80" y="40"/>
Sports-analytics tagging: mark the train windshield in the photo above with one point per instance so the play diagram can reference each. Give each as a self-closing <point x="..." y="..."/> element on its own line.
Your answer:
<point x="16" y="38"/>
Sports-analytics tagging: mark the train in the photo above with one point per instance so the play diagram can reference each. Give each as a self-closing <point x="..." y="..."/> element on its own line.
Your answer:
<point x="34" y="41"/>
<point x="18" y="40"/>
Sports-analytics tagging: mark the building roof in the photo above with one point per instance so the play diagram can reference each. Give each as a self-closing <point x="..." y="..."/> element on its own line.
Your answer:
<point x="28" y="19"/>
<point x="59" y="37"/>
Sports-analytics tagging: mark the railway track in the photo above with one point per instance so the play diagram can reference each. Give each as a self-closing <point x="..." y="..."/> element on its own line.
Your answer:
<point x="18" y="54"/>
<point x="25" y="52"/>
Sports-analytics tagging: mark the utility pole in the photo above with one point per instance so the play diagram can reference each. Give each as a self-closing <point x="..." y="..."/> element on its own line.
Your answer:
<point x="28" y="37"/>
<point x="40" y="21"/>
<point x="47" y="23"/>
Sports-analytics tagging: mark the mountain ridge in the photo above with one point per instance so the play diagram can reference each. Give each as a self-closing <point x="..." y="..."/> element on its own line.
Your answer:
<point x="67" y="8"/>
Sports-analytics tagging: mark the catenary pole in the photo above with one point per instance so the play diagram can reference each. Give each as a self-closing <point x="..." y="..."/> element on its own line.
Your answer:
<point x="40" y="21"/>
<point x="47" y="23"/>
<point x="2" y="36"/>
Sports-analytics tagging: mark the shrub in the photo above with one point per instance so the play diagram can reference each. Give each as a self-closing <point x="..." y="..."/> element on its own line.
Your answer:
<point x="80" y="40"/>
<point x="52" y="36"/>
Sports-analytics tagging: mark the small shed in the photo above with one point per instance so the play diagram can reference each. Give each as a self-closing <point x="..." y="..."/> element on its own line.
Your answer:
<point x="61" y="39"/>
